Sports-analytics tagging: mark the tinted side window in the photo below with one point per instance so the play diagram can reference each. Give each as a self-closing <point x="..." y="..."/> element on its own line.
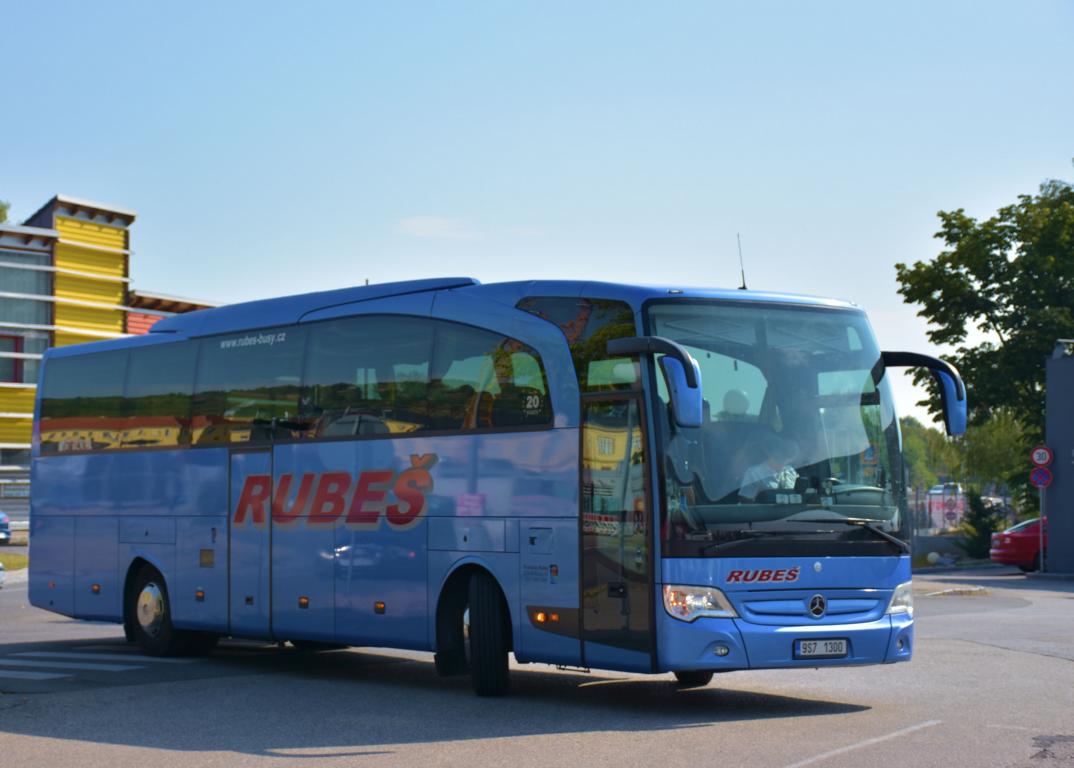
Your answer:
<point x="160" y="386"/>
<point x="392" y="375"/>
<point x="247" y="387"/>
<point x="82" y="402"/>
<point x="588" y="325"/>
<point x="367" y="376"/>
<point x="484" y="379"/>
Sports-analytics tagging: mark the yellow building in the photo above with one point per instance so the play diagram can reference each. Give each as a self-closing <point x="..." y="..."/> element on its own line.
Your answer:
<point x="64" y="279"/>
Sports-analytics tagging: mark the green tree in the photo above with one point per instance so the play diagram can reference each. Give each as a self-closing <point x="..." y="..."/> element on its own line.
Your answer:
<point x="4" y="206"/>
<point x="994" y="452"/>
<point x="1009" y="278"/>
<point x="978" y="525"/>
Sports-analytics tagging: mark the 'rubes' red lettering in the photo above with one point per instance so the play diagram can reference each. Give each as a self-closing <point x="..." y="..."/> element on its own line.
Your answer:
<point x="367" y="503"/>
<point x="329" y="501"/>
<point x="410" y="488"/>
<point x="255" y="492"/>
<point x="281" y="514"/>
<point x="762" y="575"/>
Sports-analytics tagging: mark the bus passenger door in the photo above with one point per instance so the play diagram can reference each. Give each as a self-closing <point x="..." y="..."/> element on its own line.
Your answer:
<point x="249" y="543"/>
<point x="617" y="579"/>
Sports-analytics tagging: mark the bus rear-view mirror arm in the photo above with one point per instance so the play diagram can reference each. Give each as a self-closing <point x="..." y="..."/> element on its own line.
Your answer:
<point x="952" y="390"/>
<point x="681" y="372"/>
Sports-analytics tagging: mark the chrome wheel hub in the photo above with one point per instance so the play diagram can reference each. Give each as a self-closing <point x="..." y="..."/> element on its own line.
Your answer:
<point x="151" y="609"/>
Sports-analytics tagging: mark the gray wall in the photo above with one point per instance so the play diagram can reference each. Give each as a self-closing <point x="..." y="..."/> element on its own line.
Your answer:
<point x="1059" y="498"/>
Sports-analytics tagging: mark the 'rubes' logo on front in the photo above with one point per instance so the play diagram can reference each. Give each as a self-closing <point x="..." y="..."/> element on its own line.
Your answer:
<point x="762" y="575"/>
<point x="327" y="497"/>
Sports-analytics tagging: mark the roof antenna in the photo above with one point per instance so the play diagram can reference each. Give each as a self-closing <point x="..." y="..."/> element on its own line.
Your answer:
<point x="741" y="266"/>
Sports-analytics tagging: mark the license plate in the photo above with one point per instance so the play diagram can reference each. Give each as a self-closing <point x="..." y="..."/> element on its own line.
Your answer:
<point x="820" y="649"/>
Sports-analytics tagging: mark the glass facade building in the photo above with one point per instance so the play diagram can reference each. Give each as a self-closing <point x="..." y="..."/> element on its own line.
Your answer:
<point x="64" y="279"/>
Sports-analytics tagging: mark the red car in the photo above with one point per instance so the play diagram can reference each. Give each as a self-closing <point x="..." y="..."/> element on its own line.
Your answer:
<point x="1019" y="545"/>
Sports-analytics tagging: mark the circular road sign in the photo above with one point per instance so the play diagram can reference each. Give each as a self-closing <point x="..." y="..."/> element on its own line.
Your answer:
<point x="951" y="515"/>
<point x="1041" y="477"/>
<point x="1041" y="455"/>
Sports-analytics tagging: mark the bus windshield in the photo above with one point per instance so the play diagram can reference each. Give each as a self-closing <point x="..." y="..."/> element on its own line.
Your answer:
<point x="798" y="451"/>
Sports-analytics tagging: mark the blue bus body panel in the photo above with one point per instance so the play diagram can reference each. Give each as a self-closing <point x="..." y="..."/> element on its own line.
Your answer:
<point x="372" y="582"/>
<point x="143" y="502"/>
<point x="549" y="578"/>
<point x="249" y="568"/>
<point x="52" y="570"/>
<point x="773" y="615"/>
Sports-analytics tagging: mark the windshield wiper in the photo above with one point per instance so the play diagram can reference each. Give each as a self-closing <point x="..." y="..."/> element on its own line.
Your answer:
<point x="867" y="524"/>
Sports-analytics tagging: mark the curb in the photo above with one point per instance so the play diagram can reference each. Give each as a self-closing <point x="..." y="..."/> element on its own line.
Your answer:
<point x="957" y="569"/>
<point x="1050" y="576"/>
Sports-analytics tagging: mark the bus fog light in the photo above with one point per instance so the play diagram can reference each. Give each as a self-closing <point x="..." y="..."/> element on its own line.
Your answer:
<point x="901" y="645"/>
<point x="722" y="650"/>
<point x="687" y="603"/>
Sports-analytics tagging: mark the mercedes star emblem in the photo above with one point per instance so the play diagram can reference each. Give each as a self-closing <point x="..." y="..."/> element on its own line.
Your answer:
<point x="817" y="606"/>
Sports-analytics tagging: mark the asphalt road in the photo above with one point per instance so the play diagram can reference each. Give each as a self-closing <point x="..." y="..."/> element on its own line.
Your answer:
<point x="992" y="684"/>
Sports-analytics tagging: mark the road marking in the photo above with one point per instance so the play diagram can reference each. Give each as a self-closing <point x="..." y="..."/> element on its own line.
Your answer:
<point x="6" y="662"/>
<point x="102" y="657"/>
<point x="15" y="674"/>
<point x="861" y="744"/>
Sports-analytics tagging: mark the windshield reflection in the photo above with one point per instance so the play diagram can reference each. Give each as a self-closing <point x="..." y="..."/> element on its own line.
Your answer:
<point x="798" y="430"/>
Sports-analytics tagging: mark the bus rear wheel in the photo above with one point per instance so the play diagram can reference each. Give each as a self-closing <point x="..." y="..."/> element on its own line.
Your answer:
<point x="150" y="619"/>
<point x="487" y="636"/>
<point x="694" y="678"/>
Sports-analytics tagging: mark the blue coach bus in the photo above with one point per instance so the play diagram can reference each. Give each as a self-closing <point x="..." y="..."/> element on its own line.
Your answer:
<point x="579" y="473"/>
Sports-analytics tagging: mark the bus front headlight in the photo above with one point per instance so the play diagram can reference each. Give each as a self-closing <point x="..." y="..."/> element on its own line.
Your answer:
<point x="902" y="601"/>
<point x="687" y="603"/>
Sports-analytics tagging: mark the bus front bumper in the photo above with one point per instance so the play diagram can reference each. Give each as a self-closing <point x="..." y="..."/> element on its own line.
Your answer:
<point x="729" y="644"/>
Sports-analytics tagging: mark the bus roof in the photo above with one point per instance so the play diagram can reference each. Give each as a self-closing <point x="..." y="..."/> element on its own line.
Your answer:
<point x="288" y="310"/>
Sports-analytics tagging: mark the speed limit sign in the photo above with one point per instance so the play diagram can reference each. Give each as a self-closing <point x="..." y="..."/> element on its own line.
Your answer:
<point x="1041" y="456"/>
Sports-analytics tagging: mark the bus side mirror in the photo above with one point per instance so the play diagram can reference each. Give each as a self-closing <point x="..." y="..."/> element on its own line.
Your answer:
<point x="686" y="404"/>
<point x="681" y="372"/>
<point x="952" y="390"/>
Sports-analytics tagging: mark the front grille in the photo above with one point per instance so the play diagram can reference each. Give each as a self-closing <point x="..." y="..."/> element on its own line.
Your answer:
<point x="779" y="607"/>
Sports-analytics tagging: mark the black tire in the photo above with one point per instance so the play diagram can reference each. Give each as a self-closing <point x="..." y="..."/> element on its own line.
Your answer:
<point x="154" y="631"/>
<point x="694" y="678"/>
<point x="489" y="634"/>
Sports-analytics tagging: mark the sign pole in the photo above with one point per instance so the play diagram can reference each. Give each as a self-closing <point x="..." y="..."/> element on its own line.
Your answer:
<point x="1041" y="528"/>
<point x="1040" y="476"/>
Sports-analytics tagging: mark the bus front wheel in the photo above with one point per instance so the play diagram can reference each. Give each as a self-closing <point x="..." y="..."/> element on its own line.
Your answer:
<point x="488" y="636"/>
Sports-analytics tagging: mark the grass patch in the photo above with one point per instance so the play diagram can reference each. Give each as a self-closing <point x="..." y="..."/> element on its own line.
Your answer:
<point x="14" y="562"/>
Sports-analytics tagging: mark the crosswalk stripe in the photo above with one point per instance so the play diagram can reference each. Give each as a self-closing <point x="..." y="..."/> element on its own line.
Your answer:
<point x="102" y="656"/>
<point x="15" y="674"/>
<point x="7" y="662"/>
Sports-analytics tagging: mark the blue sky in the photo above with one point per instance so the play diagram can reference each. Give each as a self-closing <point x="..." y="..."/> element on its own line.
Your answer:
<point x="273" y="148"/>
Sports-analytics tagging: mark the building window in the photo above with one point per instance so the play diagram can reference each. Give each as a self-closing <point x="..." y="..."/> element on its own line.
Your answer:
<point x="10" y="367"/>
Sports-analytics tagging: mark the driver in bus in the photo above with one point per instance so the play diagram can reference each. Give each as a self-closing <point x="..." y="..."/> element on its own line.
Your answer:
<point x="774" y="472"/>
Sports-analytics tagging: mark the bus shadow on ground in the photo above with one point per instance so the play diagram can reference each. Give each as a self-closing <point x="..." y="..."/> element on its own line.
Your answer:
<point x="285" y="703"/>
